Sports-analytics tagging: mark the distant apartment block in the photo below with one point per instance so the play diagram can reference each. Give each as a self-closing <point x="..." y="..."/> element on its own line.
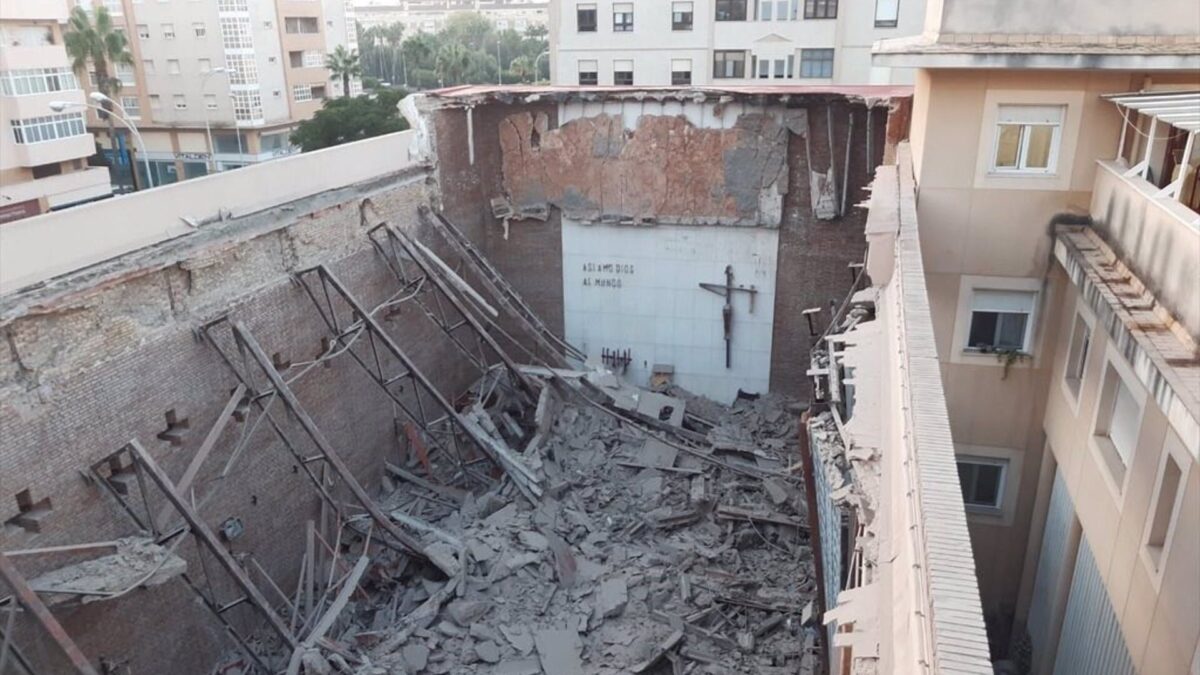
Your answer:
<point x="43" y="154"/>
<point x="249" y="70"/>
<point x="428" y="16"/>
<point x="723" y="42"/>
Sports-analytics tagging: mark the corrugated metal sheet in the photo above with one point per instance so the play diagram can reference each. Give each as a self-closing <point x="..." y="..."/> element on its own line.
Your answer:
<point x="1051" y="564"/>
<point x="1091" y="642"/>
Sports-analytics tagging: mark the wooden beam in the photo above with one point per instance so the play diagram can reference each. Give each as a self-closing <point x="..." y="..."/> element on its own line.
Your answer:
<point x="202" y="532"/>
<point x="330" y="616"/>
<point x="185" y="483"/>
<point x="31" y="602"/>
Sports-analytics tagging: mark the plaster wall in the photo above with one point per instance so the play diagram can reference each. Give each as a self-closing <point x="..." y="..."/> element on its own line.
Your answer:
<point x="1074" y="17"/>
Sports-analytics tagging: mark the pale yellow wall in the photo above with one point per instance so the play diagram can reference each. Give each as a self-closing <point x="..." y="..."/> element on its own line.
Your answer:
<point x="1160" y="620"/>
<point x="1101" y="17"/>
<point x="975" y="224"/>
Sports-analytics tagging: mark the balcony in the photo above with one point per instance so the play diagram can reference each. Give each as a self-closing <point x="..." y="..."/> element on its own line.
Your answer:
<point x="34" y="10"/>
<point x="58" y="150"/>
<point x="40" y="56"/>
<point x="63" y="189"/>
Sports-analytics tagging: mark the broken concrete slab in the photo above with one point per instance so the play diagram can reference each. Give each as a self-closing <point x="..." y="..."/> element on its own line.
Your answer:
<point x="559" y="651"/>
<point x="466" y="612"/>
<point x="416" y="656"/>
<point x="487" y="651"/>
<point x="611" y="598"/>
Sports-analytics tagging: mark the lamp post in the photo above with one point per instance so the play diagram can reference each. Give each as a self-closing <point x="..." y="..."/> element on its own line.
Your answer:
<point x="212" y="151"/>
<point x="122" y="117"/>
<point x="537" y="74"/>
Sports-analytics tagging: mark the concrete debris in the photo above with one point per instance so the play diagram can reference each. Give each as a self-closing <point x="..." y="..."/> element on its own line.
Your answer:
<point x="659" y="541"/>
<point x="136" y="563"/>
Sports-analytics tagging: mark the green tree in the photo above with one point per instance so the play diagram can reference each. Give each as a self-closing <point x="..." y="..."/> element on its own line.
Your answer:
<point x="522" y="68"/>
<point x="453" y="60"/>
<point x="344" y="64"/>
<point x="100" y="43"/>
<point x="347" y="119"/>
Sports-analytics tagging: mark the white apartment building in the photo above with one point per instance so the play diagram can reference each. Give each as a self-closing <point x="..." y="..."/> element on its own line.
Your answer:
<point x="428" y="16"/>
<point x="248" y="70"/>
<point x="43" y="154"/>
<point x="681" y="42"/>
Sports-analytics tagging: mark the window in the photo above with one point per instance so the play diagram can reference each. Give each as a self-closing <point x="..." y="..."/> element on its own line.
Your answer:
<point x="1081" y="342"/>
<point x="681" y="71"/>
<point x="236" y="34"/>
<point x="200" y="29"/>
<point x="1027" y="138"/>
<point x="820" y="9"/>
<point x="1000" y="320"/>
<point x="314" y="58"/>
<point x="318" y="91"/>
<point x="247" y="105"/>
<point x="780" y="69"/>
<point x="294" y="25"/>
<point x="887" y="13"/>
<point x="132" y="106"/>
<point x="205" y="65"/>
<point x="585" y="18"/>
<point x="180" y="102"/>
<point x="173" y="66"/>
<point x="26" y="36"/>
<point x="296" y="59"/>
<point x="589" y="72"/>
<point x="622" y="17"/>
<point x="47" y="128"/>
<point x="126" y="73"/>
<point x="148" y="66"/>
<point x="681" y="16"/>
<point x="982" y="482"/>
<point x="623" y="72"/>
<point x="764" y="69"/>
<point x="155" y="102"/>
<point x="242" y="69"/>
<point x="168" y="31"/>
<point x="765" y="10"/>
<point x="302" y="93"/>
<point x="46" y="170"/>
<point x="816" y="63"/>
<point x="210" y="101"/>
<point x="731" y="10"/>
<point x="1118" y="419"/>
<point x="143" y="31"/>
<point x="729" y="64"/>
<point x="37" y="81"/>
<point x="502" y="24"/>
<point x="1167" y="499"/>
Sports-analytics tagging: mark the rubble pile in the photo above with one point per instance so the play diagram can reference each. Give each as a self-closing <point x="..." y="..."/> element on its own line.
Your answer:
<point x="661" y="533"/>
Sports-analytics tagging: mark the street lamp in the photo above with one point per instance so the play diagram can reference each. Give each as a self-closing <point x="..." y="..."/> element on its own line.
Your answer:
<point x="59" y="106"/>
<point x="537" y="74"/>
<point x="212" y="151"/>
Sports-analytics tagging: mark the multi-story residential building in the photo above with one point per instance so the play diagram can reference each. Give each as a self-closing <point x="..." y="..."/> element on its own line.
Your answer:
<point x="724" y="42"/>
<point x="245" y="70"/>
<point x="43" y="153"/>
<point x="1055" y="159"/>
<point x="428" y="16"/>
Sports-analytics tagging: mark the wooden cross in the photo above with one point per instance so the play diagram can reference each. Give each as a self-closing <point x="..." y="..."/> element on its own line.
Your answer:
<point x="726" y="291"/>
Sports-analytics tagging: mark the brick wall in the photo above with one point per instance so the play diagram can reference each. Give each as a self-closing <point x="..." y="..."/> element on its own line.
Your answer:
<point x="104" y="364"/>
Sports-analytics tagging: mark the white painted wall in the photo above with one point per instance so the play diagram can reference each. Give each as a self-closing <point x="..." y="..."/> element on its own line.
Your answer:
<point x="656" y="308"/>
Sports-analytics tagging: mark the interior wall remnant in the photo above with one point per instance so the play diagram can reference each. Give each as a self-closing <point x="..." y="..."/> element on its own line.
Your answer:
<point x="665" y="170"/>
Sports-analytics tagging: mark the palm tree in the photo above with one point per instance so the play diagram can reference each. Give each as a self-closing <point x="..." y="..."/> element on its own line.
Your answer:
<point x="453" y="60"/>
<point x="100" y="43"/>
<point x="393" y="35"/>
<point x="521" y="68"/>
<point x="344" y="64"/>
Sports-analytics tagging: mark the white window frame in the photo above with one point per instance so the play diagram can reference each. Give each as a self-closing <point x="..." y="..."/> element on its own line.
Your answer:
<point x="998" y="506"/>
<point x="1022" y="167"/>
<point x="200" y="29"/>
<point x="210" y="101"/>
<point x="675" y="64"/>
<point x="980" y="304"/>
<point x="960" y="353"/>
<point x="1011" y="462"/>
<point x="143" y="31"/>
<point x="302" y="93"/>
<point x="583" y="67"/>
<point x="1154" y="557"/>
<point x="174" y="67"/>
<point x="132" y="106"/>
<point x="623" y="66"/>
<point x="168" y="31"/>
<point x="1113" y="466"/>
<point x="1075" y="365"/>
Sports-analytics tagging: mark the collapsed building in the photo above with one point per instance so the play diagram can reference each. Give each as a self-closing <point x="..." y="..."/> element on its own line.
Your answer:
<point x="521" y="390"/>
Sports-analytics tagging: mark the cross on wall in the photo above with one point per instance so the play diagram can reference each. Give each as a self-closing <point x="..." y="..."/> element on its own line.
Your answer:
<point x="726" y="291"/>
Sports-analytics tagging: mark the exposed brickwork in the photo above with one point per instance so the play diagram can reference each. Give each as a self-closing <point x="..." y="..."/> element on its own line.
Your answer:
<point x="83" y="379"/>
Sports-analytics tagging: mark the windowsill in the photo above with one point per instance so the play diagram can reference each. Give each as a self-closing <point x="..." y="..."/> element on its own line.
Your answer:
<point x="1020" y="173"/>
<point x="1114" y="469"/>
<point x="886" y="24"/>
<point x="991" y="512"/>
<point x="1152" y="560"/>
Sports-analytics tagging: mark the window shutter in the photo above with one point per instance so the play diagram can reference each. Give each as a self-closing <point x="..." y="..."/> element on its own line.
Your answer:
<point x="1002" y="301"/>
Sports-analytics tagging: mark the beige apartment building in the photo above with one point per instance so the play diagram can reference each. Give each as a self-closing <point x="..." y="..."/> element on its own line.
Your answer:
<point x="43" y="154"/>
<point x="1055" y="161"/>
<point x="248" y="70"/>
<point x="428" y="16"/>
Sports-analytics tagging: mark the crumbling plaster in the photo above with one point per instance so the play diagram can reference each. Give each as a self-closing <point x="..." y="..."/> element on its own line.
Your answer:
<point x="666" y="170"/>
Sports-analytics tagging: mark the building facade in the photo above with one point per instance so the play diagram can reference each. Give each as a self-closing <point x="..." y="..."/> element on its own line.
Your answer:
<point x="1061" y="247"/>
<point x="724" y="42"/>
<point x="242" y="73"/>
<point x="43" y="153"/>
<point x="428" y="16"/>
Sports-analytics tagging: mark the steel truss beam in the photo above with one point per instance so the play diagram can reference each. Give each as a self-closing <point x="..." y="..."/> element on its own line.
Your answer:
<point x="399" y="252"/>
<point x="502" y="293"/>
<point x="252" y="352"/>
<point x="140" y="461"/>
<point x="363" y="320"/>
<point x="28" y="599"/>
